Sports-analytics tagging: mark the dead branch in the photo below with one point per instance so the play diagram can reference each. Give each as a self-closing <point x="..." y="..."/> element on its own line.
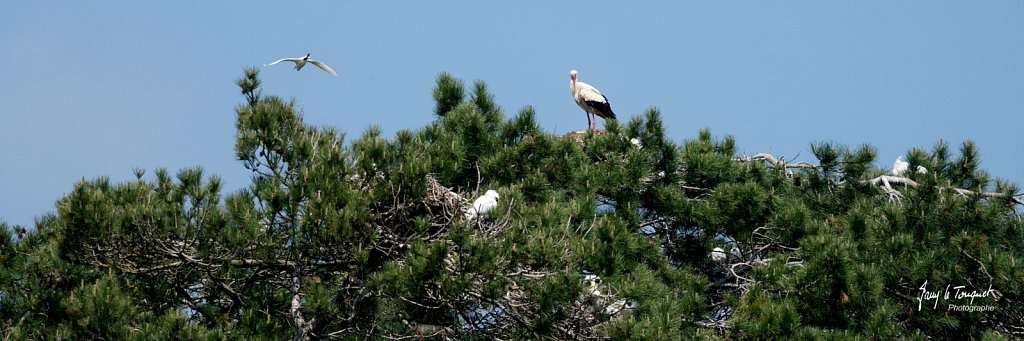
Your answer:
<point x="885" y="182"/>
<point x="776" y="162"/>
<point x="301" y="325"/>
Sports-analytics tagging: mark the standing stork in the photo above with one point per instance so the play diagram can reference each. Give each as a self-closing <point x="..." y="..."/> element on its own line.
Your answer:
<point x="591" y="100"/>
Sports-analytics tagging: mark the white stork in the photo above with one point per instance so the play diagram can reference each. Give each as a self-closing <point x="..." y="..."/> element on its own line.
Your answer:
<point x="618" y="306"/>
<point x="483" y="205"/>
<point x="591" y="100"/>
<point x="899" y="167"/>
<point x="301" y="61"/>
<point x="590" y="283"/>
<point x="718" y="255"/>
<point x="736" y="253"/>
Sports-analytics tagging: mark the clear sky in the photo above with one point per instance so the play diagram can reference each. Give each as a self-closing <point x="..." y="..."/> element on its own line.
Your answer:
<point x="92" y="88"/>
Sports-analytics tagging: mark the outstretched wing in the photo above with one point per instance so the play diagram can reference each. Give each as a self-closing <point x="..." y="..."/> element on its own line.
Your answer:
<point x="323" y="66"/>
<point x="284" y="59"/>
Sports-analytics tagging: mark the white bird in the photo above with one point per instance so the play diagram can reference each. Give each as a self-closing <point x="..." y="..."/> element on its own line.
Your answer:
<point x="301" y="61"/>
<point x="483" y="205"/>
<point x="619" y="306"/>
<point x="899" y="167"/>
<point x="591" y="282"/>
<point x="736" y="253"/>
<point x="636" y="142"/>
<point x="718" y="255"/>
<point x="591" y="100"/>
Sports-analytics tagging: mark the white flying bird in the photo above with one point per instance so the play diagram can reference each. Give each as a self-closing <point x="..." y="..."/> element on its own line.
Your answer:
<point x="591" y="100"/>
<point x="301" y="61"/>
<point x="483" y="205"/>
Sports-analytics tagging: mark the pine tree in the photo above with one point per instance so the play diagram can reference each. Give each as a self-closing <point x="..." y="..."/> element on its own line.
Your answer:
<point x="607" y="235"/>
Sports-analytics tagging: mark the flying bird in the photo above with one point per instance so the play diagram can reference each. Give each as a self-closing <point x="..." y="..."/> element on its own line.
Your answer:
<point x="301" y="61"/>
<point x="483" y="205"/>
<point x="591" y="100"/>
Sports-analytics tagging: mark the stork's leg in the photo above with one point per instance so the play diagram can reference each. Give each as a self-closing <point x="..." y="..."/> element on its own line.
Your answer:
<point x="588" y="119"/>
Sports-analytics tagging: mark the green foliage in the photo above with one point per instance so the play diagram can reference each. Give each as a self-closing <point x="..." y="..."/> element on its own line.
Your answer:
<point x="100" y="311"/>
<point x="368" y="239"/>
<point x="448" y="93"/>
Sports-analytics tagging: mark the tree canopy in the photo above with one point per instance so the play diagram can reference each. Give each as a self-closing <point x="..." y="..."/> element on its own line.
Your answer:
<point x="596" y="235"/>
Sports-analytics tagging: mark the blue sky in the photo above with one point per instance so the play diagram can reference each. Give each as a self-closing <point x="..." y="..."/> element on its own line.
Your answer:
<point x="99" y="88"/>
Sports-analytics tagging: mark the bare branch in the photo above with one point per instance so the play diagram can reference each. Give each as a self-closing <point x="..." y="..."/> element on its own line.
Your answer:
<point x="301" y="326"/>
<point x="885" y="182"/>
